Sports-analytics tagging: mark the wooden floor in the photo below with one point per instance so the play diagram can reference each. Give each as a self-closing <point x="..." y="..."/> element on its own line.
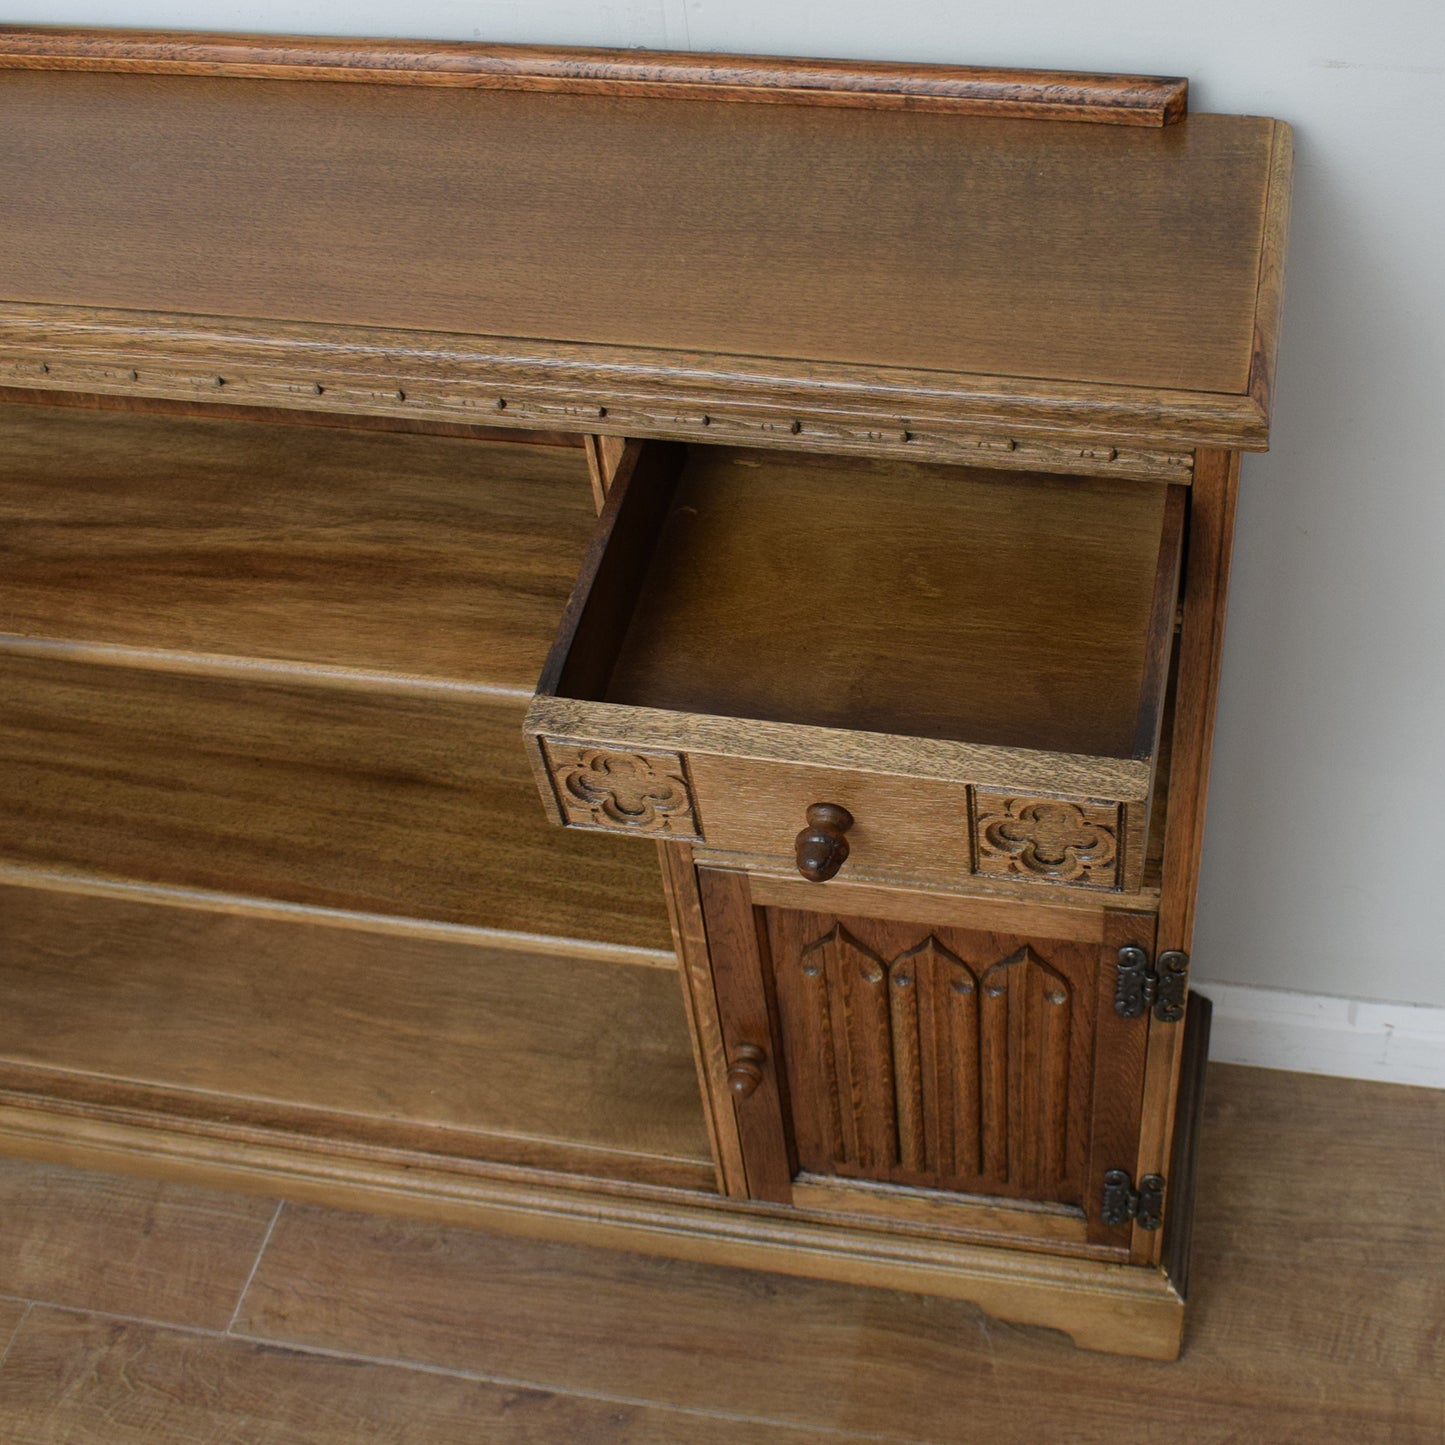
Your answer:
<point x="147" y="1312"/>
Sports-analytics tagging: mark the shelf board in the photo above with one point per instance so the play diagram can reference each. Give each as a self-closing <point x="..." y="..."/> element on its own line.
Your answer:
<point x="207" y="543"/>
<point x="411" y="806"/>
<point x="482" y="1053"/>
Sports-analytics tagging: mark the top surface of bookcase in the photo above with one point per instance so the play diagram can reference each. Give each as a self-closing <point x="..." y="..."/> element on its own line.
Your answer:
<point x="1089" y="267"/>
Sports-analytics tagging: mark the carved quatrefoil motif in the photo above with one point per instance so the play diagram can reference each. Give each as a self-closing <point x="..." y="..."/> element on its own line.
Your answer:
<point x="641" y="792"/>
<point x="1048" y="838"/>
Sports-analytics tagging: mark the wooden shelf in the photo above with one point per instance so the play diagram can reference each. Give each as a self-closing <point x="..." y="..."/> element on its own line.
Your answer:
<point x="206" y="542"/>
<point x="438" y="1048"/>
<point x="408" y="805"/>
<point x="941" y="602"/>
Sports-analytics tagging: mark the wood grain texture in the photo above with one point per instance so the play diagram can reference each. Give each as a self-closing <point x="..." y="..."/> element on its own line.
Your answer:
<point x="202" y="900"/>
<point x="1044" y="917"/>
<point x="745" y="1017"/>
<point x="612" y="568"/>
<point x="168" y="1251"/>
<point x="1116" y="1107"/>
<point x="989" y="892"/>
<point x="1201" y="656"/>
<point x="222" y="409"/>
<point x="906" y="827"/>
<point x="353" y="551"/>
<point x="942" y="1058"/>
<point x="805" y="406"/>
<point x="937" y="602"/>
<point x="518" y="1301"/>
<point x="736" y="629"/>
<point x="452" y="1050"/>
<point x="395" y="805"/>
<point x="604" y="459"/>
<point x="1052" y="1228"/>
<point x="597" y="724"/>
<point x="1164" y="611"/>
<point x="1176" y="1254"/>
<point x="1108" y="99"/>
<point x="12" y="1312"/>
<point x="1285" y="1341"/>
<point x="1095" y="254"/>
<point x="1068" y="1287"/>
<point x="1269" y="301"/>
<point x="75" y="1377"/>
<point x="689" y="934"/>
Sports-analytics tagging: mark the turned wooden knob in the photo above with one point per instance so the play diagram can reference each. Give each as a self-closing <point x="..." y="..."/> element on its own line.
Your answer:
<point x="821" y="847"/>
<point x="745" y="1072"/>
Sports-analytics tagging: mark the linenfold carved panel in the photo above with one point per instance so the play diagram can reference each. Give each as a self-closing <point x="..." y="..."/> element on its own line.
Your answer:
<point x="1048" y="838"/>
<point x="622" y="791"/>
<point x="940" y="1061"/>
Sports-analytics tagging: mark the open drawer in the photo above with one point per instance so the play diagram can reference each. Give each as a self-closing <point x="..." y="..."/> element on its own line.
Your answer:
<point x="969" y="663"/>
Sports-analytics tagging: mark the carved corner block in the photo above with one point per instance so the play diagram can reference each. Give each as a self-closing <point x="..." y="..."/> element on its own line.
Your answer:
<point x="1047" y="838"/>
<point x="622" y="791"/>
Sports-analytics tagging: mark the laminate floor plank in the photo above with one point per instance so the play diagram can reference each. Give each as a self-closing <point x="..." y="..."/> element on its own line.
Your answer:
<point x="12" y="1311"/>
<point x="1317" y="1316"/>
<point x="126" y="1246"/>
<point x="78" y="1378"/>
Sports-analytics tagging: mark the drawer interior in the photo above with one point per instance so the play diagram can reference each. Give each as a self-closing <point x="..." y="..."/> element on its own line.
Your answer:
<point x="1022" y="610"/>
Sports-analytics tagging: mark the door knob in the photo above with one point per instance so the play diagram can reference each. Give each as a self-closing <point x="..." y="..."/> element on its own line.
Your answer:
<point x="821" y="848"/>
<point x="745" y="1072"/>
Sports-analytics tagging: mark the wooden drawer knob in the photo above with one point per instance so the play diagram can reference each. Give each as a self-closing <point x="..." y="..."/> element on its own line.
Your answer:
<point x="821" y="847"/>
<point x="745" y="1072"/>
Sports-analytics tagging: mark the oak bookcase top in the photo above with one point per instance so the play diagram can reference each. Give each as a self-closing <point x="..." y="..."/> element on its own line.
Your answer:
<point x="602" y="240"/>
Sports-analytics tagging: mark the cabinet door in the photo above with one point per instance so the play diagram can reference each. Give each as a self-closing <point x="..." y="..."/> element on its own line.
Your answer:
<point x="934" y="1057"/>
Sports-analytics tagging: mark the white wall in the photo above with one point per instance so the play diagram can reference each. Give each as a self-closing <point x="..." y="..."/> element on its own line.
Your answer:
<point x="1326" y="847"/>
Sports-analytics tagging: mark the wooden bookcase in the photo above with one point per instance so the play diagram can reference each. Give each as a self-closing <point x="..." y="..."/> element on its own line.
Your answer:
<point x="341" y="738"/>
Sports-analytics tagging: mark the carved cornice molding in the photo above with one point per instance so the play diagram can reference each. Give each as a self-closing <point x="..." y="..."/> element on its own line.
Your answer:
<point x="877" y="411"/>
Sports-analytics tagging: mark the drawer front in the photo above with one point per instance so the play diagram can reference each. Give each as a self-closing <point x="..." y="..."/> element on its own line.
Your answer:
<point x="911" y="827"/>
<point x="926" y="829"/>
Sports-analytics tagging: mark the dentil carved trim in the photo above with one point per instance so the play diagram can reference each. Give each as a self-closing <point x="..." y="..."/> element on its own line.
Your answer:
<point x="623" y="792"/>
<point x="490" y="393"/>
<point x="1048" y="838"/>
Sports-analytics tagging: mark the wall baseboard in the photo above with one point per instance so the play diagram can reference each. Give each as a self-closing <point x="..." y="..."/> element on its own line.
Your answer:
<point x="1310" y="1033"/>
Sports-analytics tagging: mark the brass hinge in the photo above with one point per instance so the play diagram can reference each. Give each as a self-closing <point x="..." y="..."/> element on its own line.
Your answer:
<point x="1122" y="1202"/>
<point x="1163" y="988"/>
